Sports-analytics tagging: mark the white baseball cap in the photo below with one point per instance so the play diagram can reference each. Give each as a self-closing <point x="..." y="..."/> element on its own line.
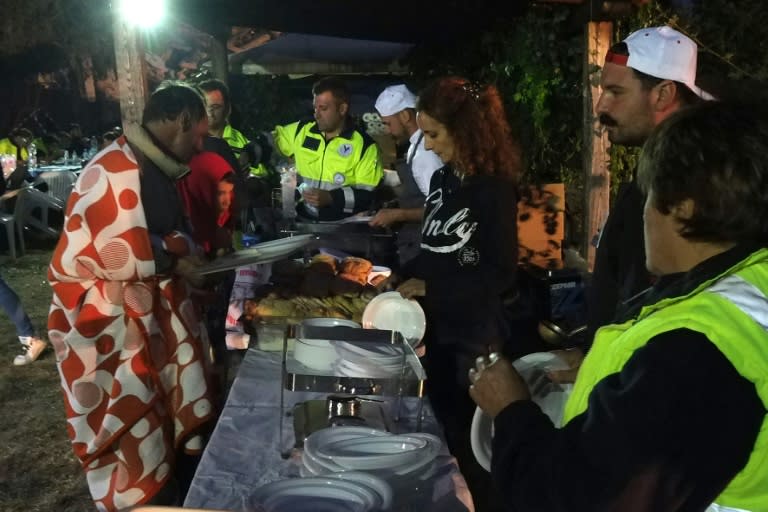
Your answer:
<point x="662" y="52"/>
<point x="394" y="99"/>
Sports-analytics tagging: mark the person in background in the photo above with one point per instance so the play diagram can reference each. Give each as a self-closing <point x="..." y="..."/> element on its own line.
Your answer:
<point x="130" y="347"/>
<point x="668" y="411"/>
<point x="397" y="107"/>
<point x="219" y="106"/>
<point x="31" y="344"/>
<point x="208" y="193"/>
<point x="253" y="176"/>
<point x="338" y="166"/>
<point x="646" y="78"/>
<point x="208" y="197"/>
<point x="16" y="144"/>
<point x="78" y="144"/>
<point x="110" y="136"/>
<point x="468" y="257"/>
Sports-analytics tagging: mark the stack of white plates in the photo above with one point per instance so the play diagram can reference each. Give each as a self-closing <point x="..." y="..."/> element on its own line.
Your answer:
<point x="351" y="491"/>
<point x="319" y="354"/>
<point x="389" y="456"/>
<point x="371" y="360"/>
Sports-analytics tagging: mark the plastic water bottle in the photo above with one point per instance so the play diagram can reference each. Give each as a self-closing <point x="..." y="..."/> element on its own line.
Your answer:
<point x="288" y="189"/>
<point x="94" y="148"/>
<point x="32" y="156"/>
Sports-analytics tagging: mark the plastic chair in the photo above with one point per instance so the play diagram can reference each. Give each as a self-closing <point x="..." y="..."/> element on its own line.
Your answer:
<point x="9" y="219"/>
<point x="10" y="229"/>
<point x="59" y="183"/>
<point x="31" y="200"/>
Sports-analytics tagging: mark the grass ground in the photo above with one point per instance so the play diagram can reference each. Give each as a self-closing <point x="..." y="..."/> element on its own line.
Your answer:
<point x="38" y="471"/>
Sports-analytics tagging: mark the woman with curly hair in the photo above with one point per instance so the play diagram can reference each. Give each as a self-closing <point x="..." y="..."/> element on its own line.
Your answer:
<point x="468" y="256"/>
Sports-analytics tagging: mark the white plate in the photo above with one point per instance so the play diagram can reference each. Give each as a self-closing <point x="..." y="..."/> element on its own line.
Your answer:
<point x="354" y="219"/>
<point x="316" y="354"/>
<point x="265" y="252"/>
<point x="330" y="435"/>
<point x="422" y="468"/>
<point x="294" y="494"/>
<point x="377" y="271"/>
<point x="330" y="322"/>
<point x="390" y="311"/>
<point x="366" y="369"/>
<point x="377" y="354"/>
<point x="378" y="485"/>
<point x="549" y="396"/>
<point x="379" y="452"/>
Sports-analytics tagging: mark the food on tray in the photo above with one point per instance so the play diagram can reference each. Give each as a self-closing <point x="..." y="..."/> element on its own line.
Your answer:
<point x="299" y="307"/>
<point x="355" y="269"/>
<point x="288" y="273"/>
<point x="316" y="283"/>
<point x="342" y="286"/>
<point x="324" y="263"/>
<point x="314" y="291"/>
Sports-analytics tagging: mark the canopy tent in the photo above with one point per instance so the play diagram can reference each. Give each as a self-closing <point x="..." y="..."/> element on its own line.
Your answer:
<point x="305" y="54"/>
<point x="394" y="20"/>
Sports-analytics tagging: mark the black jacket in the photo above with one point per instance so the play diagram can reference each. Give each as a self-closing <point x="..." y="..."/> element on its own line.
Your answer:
<point x="619" y="273"/>
<point x="468" y="255"/>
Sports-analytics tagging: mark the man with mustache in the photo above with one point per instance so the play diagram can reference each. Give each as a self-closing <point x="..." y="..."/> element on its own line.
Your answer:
<point x="646" y="78"/>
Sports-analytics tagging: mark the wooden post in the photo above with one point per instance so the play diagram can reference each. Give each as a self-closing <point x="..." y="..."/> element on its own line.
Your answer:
<point x="130" y="67"/>
<point x="219" y="59"/>
<point x="597" y="182"/>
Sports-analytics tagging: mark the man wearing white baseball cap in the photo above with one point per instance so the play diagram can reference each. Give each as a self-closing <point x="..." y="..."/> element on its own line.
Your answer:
<point x="397" y="107"/>
<point x="646" y="77"/>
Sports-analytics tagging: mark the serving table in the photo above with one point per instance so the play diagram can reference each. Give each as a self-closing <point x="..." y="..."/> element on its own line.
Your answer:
<point x="246" y="449"/>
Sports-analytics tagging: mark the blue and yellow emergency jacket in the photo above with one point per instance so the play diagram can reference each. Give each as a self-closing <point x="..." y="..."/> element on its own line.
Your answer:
<point x="348" y="165"/>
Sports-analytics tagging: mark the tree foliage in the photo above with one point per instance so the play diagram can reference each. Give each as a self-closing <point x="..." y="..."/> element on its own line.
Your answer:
<point x="65" y="29"/>
<point x="536" y="62"/>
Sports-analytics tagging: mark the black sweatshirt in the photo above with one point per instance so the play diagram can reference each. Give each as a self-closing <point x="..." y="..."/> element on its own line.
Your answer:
<point x="666" y="433"/>
<point x="468" y="256"/>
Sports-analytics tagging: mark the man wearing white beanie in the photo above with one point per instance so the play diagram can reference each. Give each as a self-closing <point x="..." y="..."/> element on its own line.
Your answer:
<point x="397" y="107"/>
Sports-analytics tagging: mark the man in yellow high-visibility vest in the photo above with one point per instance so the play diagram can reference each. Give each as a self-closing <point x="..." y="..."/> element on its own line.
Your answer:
<point x="339" y="166"/>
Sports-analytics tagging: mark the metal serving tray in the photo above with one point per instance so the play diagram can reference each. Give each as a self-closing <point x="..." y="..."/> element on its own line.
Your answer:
<point x="407" y="382"/>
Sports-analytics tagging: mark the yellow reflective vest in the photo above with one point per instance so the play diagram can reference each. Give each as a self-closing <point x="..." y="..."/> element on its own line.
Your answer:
<point x="349" y="163"/>
<point x="7" y="147"/>
<point x="237" y="141"/>
<point x="732" y="312"/>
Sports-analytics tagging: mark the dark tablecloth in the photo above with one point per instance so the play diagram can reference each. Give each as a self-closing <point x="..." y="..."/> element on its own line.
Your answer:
<point x="246" y="450"/>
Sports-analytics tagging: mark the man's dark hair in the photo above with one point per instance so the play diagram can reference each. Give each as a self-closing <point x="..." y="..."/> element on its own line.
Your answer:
<point x="714" y="154"/>
<point x="686" y="95"/>
<point x="20" y="131"/>
<point x="171" y="99"/>
<point x="214" y="84"/>
<point x="336" y="86"/>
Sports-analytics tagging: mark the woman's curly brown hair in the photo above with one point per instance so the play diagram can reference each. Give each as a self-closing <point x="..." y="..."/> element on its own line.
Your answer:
<point x="474" y="116"/>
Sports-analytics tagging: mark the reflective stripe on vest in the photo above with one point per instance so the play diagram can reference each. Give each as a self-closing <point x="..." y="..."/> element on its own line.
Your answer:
<point x="745" y="296"/>
<point x="719" y="508"/>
